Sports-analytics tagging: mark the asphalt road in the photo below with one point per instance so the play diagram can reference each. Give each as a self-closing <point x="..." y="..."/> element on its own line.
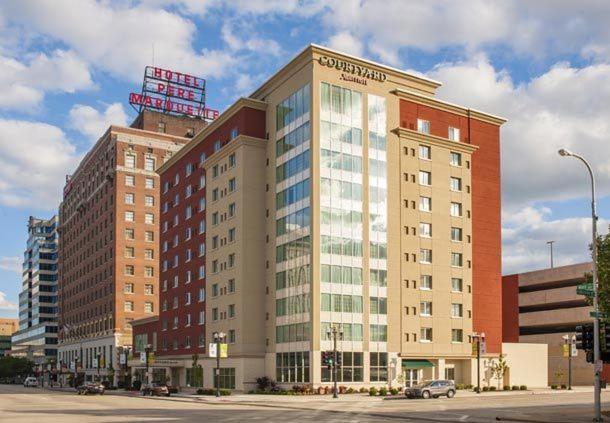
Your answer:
<point x="21" y="405"/>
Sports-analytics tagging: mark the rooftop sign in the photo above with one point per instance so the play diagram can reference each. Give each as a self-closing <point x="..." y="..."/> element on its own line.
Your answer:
<point x="172" y="92"/>
<point x="351" y="71"/>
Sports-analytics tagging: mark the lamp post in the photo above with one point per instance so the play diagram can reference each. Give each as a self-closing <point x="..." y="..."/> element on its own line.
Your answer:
<point x="478" y="338"/>
<point x="147" y="351"/>
<point x="218" y="338"/>
<point x="333" y="334"/>
<point x="596" y="354"/>
<point x="550" y="243"/>
<point x="569" y="341"/>
<point x="75" y="370"/>
<point x="98" y="356"/>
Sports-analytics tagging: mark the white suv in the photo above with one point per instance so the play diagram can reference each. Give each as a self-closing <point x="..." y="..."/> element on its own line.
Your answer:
<point x="30" y="382"/>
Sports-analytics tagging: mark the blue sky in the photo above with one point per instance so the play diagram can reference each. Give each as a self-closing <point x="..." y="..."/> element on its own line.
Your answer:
<point x="67" y="68"/>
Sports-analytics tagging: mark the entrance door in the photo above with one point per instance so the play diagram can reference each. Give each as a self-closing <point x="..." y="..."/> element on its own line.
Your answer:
<point x="412" y="377"/>
<point x="450" y="373"/>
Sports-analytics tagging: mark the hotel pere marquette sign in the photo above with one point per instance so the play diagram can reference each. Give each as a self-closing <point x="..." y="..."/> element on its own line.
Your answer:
<point x="173" y="93"/>
<point x="352" y="72"/>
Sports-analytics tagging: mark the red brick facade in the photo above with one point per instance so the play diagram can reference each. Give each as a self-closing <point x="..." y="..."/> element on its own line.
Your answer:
<point x="510" y="308"/>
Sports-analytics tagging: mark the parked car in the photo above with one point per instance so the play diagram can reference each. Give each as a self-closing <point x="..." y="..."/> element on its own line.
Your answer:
<point x="155" y="389"/>
<point x="432" y="389"/>
<point x="30" y="382"/>
<point x="90" y="388"/>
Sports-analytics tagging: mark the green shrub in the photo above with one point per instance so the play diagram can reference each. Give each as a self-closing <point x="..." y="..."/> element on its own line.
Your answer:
<point x="523" y="388"/>
<point x="383" y="391"/>
<point x="553" y="386"/>
<point x="492" y="388"/>
<point x="363" y="390"/>
<point x="485" y="388"/>
<point x="506" y="388"/>
<point x="350" y="390"/>
<point x="469" y="386"/>
<point x="476" y="389"/>
<point x="515" y="388"/>
<point x="223" y="392"/>
<point x="460" y="386"/>
<point x="394" y="391"/>
<point x="373" y="391"/>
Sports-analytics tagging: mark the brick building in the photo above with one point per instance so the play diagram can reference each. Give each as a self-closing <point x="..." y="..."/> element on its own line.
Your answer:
<point x="108" y="255"/>
<point x="341" y="193"/>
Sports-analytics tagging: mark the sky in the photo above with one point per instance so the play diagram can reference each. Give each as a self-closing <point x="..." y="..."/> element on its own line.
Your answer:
<point x="67" y="67"/>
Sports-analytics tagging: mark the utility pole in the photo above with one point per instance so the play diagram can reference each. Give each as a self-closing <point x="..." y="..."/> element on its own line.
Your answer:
<point x="550" y="243"/>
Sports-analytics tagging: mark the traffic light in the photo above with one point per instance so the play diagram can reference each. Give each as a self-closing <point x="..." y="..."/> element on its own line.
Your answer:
<point x="584" y="337"/>
<point x="327" y="359"/>
<point x="604" y="337"/>
<point x="339" y="361"/>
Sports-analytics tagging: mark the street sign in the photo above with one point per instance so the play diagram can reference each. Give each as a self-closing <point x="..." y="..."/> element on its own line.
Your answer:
<point x="599" y="314"/>
<point x="599" y="366"/>
<point x="585" y="289"/>
<point x="212" y="350"/>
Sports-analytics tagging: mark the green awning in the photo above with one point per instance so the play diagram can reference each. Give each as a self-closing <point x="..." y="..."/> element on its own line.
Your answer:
<point x="416" y="364"/>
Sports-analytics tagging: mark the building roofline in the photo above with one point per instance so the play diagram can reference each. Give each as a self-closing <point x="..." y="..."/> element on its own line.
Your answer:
<point x="549" y="269"/>
<point x="241" y="103"/>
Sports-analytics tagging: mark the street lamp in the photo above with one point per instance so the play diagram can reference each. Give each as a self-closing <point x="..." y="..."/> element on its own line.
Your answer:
<point x="98" y="356"/>
<point x="218" y="338"/>
<point x="596" y="354"/>
<point x="334" y="333"/>
<point x="479" y="338"/>
<point x="75" y="370"/>
<point x="147" y="351"/>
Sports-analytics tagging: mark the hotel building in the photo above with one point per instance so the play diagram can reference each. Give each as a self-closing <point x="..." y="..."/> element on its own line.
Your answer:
<point x="36" y="338"/>
<point x="108" y="254"/>
<point x="343" y="193"/>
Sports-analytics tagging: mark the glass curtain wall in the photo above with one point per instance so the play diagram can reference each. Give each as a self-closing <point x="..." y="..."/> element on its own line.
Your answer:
<point x="341" y="172"/>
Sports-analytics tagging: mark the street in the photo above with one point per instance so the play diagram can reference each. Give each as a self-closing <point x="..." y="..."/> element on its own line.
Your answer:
<point x="23" y="405"/>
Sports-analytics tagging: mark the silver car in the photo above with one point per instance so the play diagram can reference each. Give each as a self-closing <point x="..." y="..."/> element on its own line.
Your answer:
<point x="432" y="389"/>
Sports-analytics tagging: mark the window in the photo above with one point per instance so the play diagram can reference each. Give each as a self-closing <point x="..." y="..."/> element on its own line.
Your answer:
<point x="149" y="164"/>
<point x="148" y="289"/>
<point x="201" y="273"/>
<point x="379" y="333"/>
<point x="231" y="209"/>
<point x="226" y="378"/>
<point x="231" y="310"/>
<point x="128" y="289"/>
<point x="232" y="185"/>
<point x="215" y="218"/>
<point x="129" y="198"/>
<point x="215" y="242"/>
<point x="217" y="146"/>
<point x="129" y="270"/>
<point x="188" y="232"/>
<point x="150" y="183"/>
<point x="215" y="171"/>
<point x="129" y="216"/>
<point x="456" y="259"/>
<point x="188" y="169"/>
<point x="456" y="209"/>
<point x="425" y="204"/>
<point x="425" y="335"/>
<point x="232" y="336"/>
<point x="130" y="180"/>
<point x="129" y="252"/>
<point x="130" y="160"/>
<point x="148" y="307"/>
<point x="149" y="200"/>
<point x="215" y="194"/>
<point x="425" y="230"/>
<point x="234" y="133"/>
<point x="128" y="306"/>
<point x="457" y="335"/>
<point x="201" y="319"/>
<point x="456" y="234"/>
<point x="425" y="152"/>
<point x="187" y="278"/>
<point x="202" y="249"/>
<point x="292" y="367"/>
<point x="149" y="236"/>
<point x="423" y="126"/>
<point x="231" y="260"/>
<point x="456" y="310"/>
<point x="129" y="234"/>
<point x="201" y="295"/>
<point x="231" y="286"/>
<point x="201" y="204"/>
<point x="455" y="159"/>
<point x="161" y="127"/>
<point x="202" y="226"/>
<point x="232" y="160"/>
<point x="425" y="256"/>
<point x="188" y="213"/>
<point x="176" y="181"/>
<point x="187" y="298"/>
<point x="456" y="284"/>
<point x="215" y="290"/>
<point x="455" y="184"/>
<point x="214" y="314"/>
<point x="149" y="218"/>
<point x="379" y="366"/>
<point x="454" y="134"/>
<point x="231" y="234"/>
<point x="425" y="308"/>
<point x="425" y="178"/>
<point x="176" y="321"/>
<point x="149" y="271"/>
<point x="202" y="157"/>
<point x="425" y="282"/>
<point x="378" y="305"/>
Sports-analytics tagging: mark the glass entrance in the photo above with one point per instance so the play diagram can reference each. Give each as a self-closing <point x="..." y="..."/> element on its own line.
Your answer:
<point x="412" y="377"/>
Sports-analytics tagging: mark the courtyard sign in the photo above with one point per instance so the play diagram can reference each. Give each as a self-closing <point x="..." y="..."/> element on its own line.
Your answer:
<point x="352" y="72"/>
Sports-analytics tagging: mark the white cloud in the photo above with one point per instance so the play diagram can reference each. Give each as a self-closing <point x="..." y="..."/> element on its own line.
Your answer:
<point x="6" y="304"/>
<point x="93" y="123"/>
<point x="248" y="41"/>
<point x="526" y="233"/>
<point x="34" y="159"/>
<point x="345" y="41"/>
<point x="565" y="107"/>
<point x="11" y="264"/>
<point x="26" y="82"/>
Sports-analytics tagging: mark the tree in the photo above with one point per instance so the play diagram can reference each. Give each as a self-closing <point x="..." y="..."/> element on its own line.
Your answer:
<point x="11" y="367"/>
<point x="603" y="273"/>
<point x="499" y="368"/>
